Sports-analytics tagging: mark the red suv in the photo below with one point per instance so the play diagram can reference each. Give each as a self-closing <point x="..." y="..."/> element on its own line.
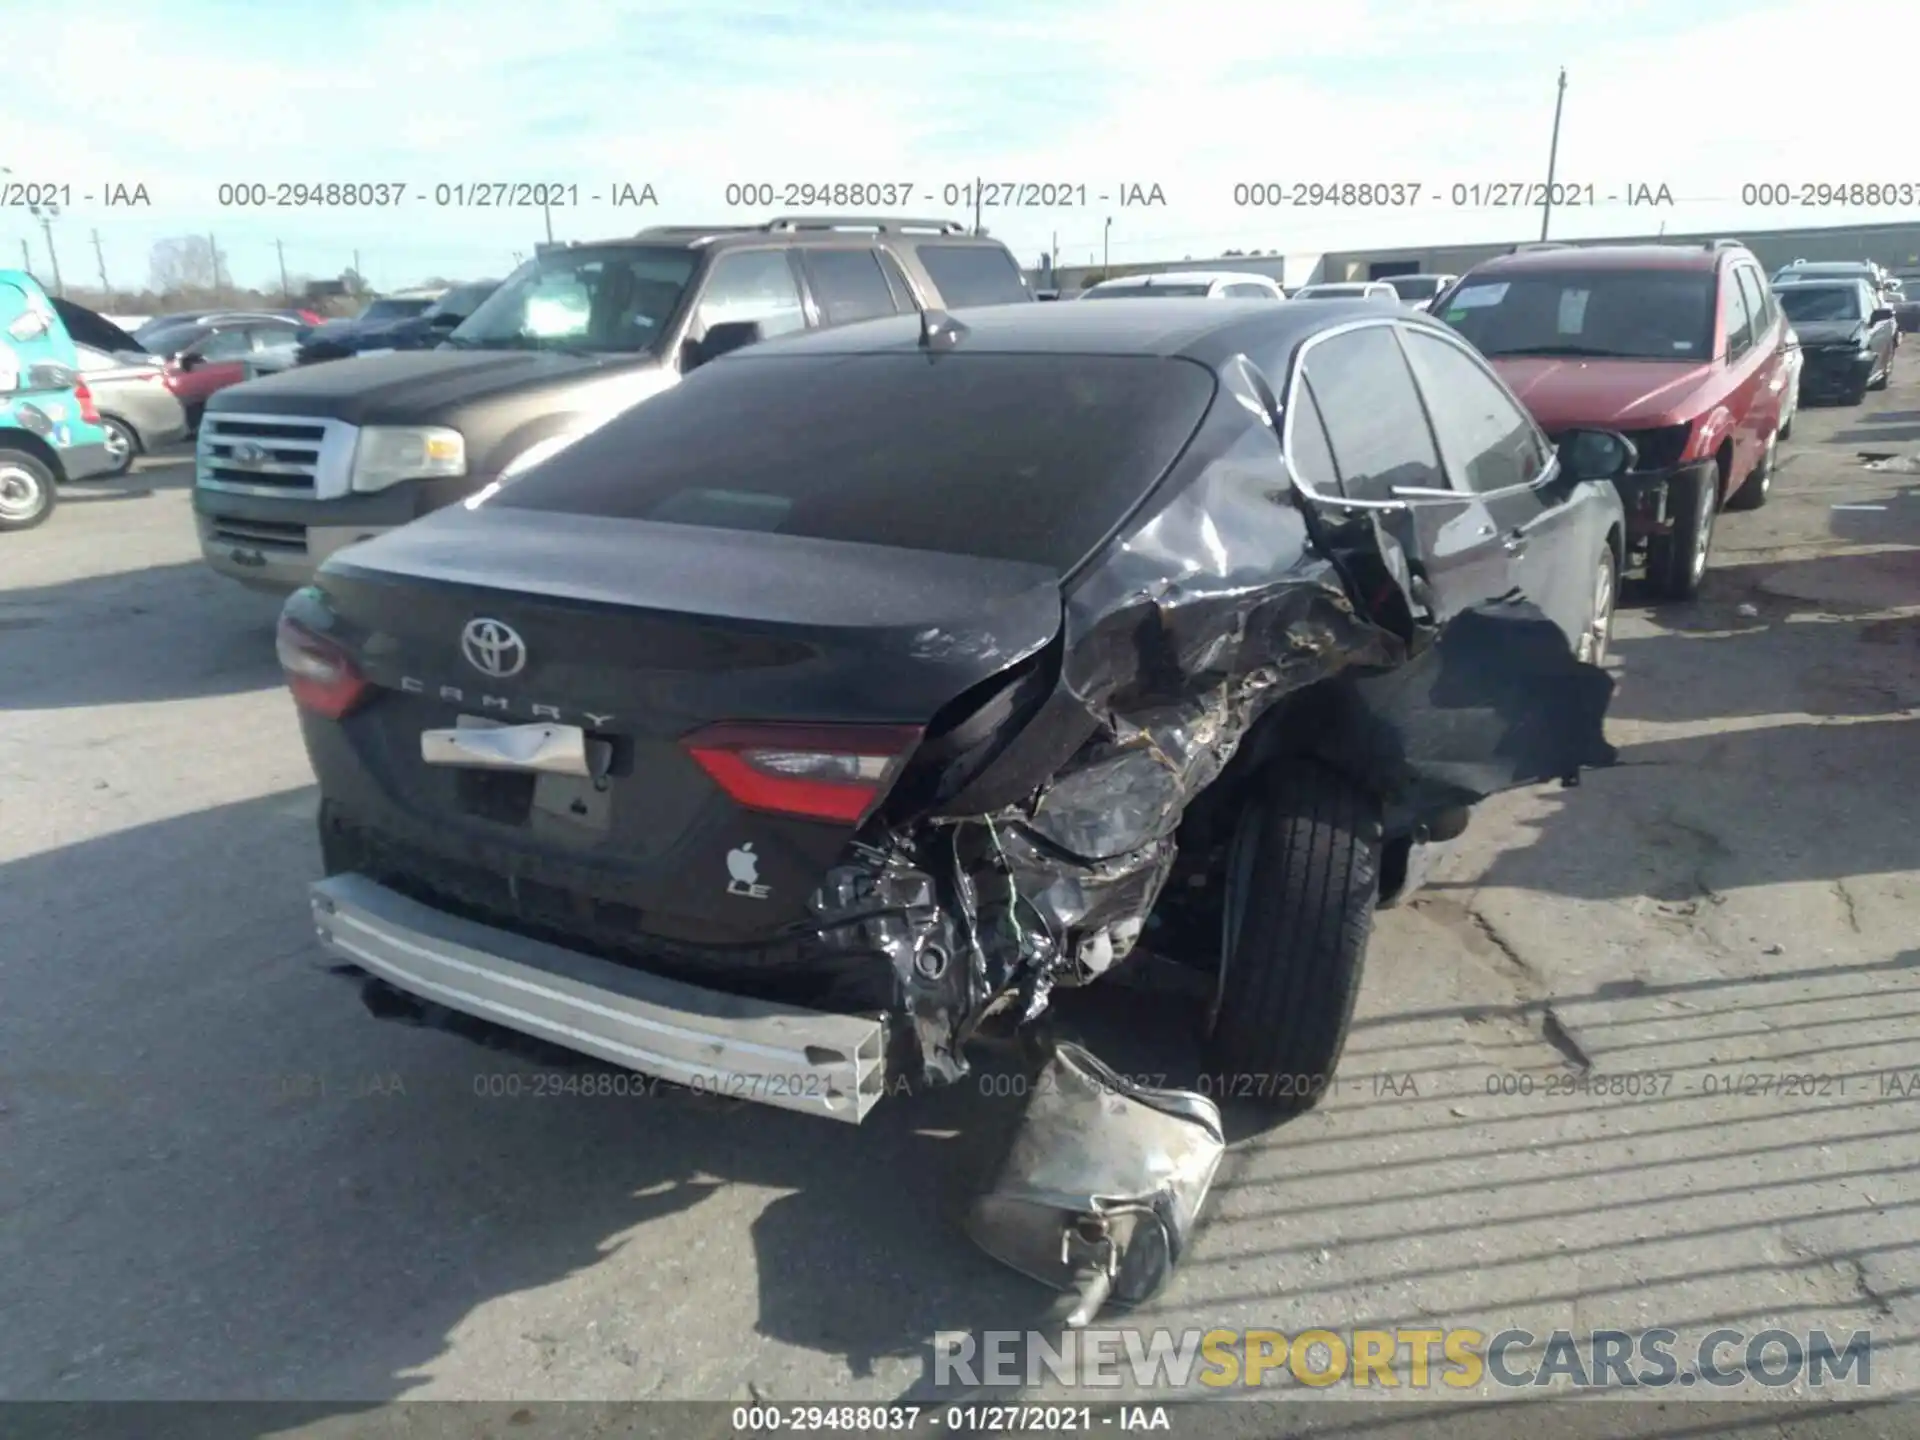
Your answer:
<point x="1680" y="347"/>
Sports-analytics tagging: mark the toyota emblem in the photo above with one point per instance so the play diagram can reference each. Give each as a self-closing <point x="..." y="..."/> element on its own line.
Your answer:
<point x="494" y="648"/>
<point x="249" y="454"/>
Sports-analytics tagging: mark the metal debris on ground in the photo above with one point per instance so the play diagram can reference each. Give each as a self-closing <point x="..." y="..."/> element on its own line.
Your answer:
<point x="1100" y="1188"/>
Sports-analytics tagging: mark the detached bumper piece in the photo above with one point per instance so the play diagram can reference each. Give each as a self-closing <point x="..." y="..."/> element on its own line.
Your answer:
<point x="1101" y="1187"/>
<point x="819" y="1064"/>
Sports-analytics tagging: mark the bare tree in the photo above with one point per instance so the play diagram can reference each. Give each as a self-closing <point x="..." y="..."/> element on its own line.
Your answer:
<point x="183" y="263"/>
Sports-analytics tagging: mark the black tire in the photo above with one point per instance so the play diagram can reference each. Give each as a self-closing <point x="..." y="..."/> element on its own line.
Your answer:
<point x="1307" y="910"/>
<point x="1677" y="561"/>
<point x="123" y="443"/>
<point x="27" y="494"/>
<point x="1759" y="485"/>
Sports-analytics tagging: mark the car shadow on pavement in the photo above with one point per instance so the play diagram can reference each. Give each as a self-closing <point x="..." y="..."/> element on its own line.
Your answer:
<point x="286" y="1198"/>
<point x="168" y="632"/>
<point x="148" y="477"/>
<point x="1680" y="820"/>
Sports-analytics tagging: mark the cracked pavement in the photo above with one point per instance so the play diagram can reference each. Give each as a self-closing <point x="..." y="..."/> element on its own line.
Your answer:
<point x="223" y="1179"/>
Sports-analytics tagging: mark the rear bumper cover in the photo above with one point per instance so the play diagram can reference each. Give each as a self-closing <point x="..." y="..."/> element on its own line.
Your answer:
<point x="816" y="1063"/>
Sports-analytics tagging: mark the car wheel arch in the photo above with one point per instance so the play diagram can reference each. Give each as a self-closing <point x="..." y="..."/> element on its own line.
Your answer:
<point x="27" y="443"/>
<point x="139" y="440"/>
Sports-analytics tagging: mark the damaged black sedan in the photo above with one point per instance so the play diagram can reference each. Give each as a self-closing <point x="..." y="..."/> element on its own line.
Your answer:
<point x="870" y="686"/>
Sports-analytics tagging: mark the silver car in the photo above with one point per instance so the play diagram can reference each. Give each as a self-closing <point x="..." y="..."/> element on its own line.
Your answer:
<point x="138" y="410"/>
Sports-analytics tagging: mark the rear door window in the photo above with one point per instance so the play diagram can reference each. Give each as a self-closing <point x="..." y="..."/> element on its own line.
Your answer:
<point x="848" y="285"/>
<point x="973" y="274"/>
<point x="1014" y="457"/>
<point x="1759" y="304"/>
<point x="1738" y="321"/>
<point x="1372" y="413"/>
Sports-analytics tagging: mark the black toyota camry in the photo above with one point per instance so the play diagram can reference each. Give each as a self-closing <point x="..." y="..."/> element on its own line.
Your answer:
<point x="870" y="685"/>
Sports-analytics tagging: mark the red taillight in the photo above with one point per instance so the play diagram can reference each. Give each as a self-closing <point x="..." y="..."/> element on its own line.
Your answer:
<point x="821" y="772"/>
<point x="84" y="395"/>
<point x="320" y="673"/>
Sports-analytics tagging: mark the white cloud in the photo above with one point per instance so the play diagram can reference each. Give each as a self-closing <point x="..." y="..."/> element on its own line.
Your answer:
<point x="693" y="96"/>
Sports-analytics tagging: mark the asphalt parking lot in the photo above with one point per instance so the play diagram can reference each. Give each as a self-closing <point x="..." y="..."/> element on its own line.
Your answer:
<point x="223" y="1179"/>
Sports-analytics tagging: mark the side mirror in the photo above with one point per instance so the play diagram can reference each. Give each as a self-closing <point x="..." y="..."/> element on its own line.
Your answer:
<point x="1880" y="316"/>
<point x="1596" y="455"/>
<point x="728" y="335"/>
<point x="444" y="320"/>
<point x="188" y="360"/>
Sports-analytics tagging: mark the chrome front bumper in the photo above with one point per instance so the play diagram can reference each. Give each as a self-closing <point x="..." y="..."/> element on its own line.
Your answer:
<point x="280" y="562"/>
<point x="820" y="1064"/>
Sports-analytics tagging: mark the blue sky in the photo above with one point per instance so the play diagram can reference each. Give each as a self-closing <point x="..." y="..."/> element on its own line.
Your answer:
<point x="1698" y="95"/>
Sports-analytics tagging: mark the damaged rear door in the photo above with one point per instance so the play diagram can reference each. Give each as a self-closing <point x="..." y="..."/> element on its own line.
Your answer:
<point x="1492" y="696"/>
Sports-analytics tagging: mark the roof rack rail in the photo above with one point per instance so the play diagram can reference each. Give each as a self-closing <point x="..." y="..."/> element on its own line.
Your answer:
<point x="1526" y="246"/>
<point x="1725" y="245"/>
<point x="886" y="224"/>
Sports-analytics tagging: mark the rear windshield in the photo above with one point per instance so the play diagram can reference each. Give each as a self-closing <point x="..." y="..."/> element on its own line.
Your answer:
<point x="1009" y="457"/>
<point x="1610" y="314"/>
<point x="973" y="275"/>
<point x="1146" y="292"/>
<point x="1416" y="287"/>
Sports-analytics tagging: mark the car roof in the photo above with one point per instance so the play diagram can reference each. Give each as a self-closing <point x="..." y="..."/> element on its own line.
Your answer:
<point x="798" y="230"/>
<point x="1211" y="331"/>
<point x="1606" y="257"/>
<point x="1351" y="284"/>
<point x="1184" y="277"/>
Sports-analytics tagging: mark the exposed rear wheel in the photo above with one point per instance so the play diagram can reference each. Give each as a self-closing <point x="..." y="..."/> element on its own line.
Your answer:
<point x="1301" y="900"/>
<point x="26" y="491"/>
<point x="1594" y="640"/>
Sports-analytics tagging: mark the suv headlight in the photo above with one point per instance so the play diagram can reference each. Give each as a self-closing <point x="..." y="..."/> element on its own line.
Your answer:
<point x="388" y="454"/>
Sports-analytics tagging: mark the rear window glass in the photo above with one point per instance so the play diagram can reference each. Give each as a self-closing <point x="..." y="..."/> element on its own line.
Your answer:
<point x="973" y="274"/>
<point x="1011" y="457"/>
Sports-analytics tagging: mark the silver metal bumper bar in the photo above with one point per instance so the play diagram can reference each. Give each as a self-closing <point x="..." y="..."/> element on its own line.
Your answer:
<point x="820" y="1064"/>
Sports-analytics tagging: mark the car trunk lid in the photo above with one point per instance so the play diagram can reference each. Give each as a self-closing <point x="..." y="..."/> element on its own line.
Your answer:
<point x="702" y="666"/>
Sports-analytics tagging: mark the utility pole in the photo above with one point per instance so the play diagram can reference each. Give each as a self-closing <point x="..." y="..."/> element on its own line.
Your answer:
<point x="1053" y="257"/>
<point x="46" y="215"/>
<point x="1553" y="154"/>
<point x="976" y="204"/>
<point x="213" y="250"/>
<point x="359" y="282"/>
<point x="1106" y="249"/>
<point x="26" y="258"/>
<point x="286" y="293"/>
<point x="546" y="209"/>
<point x="100" y="259"/>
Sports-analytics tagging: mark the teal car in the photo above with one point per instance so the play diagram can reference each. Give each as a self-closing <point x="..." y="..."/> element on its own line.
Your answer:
<point x="49" y="431"/>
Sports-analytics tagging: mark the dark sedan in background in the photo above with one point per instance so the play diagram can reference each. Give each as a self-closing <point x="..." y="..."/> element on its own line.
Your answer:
<point x="1847" y="337"/>
<point x="396" y="323"/>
